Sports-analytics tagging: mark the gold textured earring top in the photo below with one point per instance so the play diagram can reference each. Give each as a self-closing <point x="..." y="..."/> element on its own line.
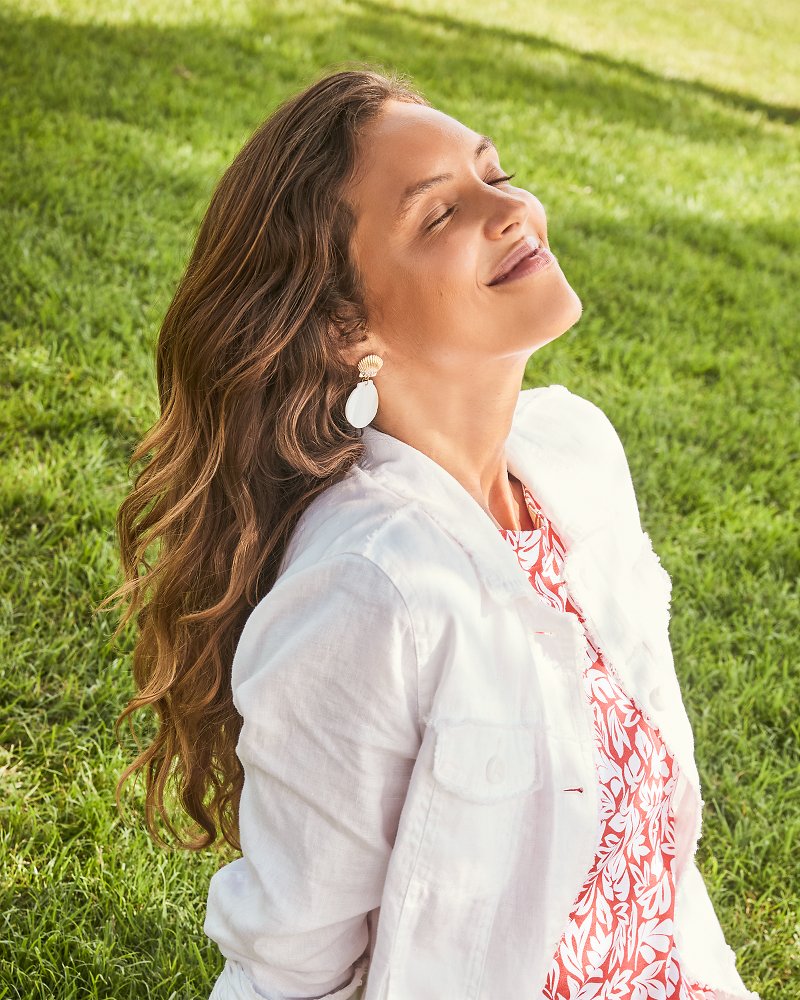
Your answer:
<point x="369" y="366"/>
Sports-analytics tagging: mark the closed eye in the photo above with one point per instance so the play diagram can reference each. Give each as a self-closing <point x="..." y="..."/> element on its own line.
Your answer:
<point x="441" y="219"/>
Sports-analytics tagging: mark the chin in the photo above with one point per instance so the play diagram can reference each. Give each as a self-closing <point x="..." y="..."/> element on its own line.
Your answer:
<point x="560" y="317"/>
<point x="577" y="310"/>
<point x="567" y="310"/>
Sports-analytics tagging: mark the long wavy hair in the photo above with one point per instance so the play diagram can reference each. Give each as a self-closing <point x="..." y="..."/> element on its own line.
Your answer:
<point x="252" y="388"/>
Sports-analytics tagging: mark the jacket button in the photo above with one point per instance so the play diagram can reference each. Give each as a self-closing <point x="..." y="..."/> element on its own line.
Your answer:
<point x="495" y="770"/>
<point x="657" y="698"/>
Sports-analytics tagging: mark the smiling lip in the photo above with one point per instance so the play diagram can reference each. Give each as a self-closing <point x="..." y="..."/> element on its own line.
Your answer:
<point x="523" y="249"/>
<point x="536" y="261"/>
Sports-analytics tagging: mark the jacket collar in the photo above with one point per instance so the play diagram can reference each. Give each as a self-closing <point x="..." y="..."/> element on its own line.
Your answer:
<point x="550" y="430"/>
<point x="566" y="451"/>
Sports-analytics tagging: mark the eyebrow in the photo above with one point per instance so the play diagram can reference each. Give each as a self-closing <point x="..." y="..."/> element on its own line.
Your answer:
<point x="415" y="191"/>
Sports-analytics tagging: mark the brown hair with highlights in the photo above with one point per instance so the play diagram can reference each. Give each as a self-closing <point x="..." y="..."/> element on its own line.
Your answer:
<point x="251" y="429"/>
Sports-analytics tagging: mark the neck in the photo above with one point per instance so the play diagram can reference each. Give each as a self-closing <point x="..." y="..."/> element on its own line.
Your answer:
<point x="461" y="422"/>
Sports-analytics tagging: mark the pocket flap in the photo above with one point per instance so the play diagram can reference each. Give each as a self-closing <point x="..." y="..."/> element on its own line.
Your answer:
<point x="485" y="761"/>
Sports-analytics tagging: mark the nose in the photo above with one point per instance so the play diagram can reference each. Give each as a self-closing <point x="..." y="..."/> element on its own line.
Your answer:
<point x="506" y="210"/>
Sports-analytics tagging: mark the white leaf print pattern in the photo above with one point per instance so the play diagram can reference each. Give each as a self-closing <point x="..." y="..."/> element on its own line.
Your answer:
<point x="619" y="942"/>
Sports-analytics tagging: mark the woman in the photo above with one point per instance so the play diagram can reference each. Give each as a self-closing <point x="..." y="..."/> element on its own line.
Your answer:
<point x="405" y="636"/>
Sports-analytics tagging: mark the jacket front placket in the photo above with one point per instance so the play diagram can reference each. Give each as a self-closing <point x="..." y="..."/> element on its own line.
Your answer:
<point x="622" y="593"/>
<point x="599" y="525"/>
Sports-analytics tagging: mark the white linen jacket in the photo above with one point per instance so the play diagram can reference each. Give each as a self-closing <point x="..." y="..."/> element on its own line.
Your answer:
<point x="414" y="718"/>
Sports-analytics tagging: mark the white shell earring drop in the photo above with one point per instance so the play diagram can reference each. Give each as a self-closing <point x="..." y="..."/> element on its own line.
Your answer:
<point x="362" y="403"/>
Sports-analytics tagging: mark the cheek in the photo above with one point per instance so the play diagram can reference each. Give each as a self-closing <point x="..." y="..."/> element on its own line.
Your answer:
<point x="432" y="285"/>
<point x="449" y="261"/>
<point x="439" y="262"/>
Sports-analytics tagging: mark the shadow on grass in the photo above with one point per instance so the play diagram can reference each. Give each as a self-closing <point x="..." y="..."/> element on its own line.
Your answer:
<point x="592" y="68"/>
<point x="166" y="77"/>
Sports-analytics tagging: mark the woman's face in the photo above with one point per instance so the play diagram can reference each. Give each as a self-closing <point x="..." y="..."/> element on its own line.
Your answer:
<point x="427" y="262"/>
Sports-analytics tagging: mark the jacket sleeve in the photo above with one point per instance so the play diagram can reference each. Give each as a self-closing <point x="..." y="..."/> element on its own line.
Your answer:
<point x="325" y="679"/>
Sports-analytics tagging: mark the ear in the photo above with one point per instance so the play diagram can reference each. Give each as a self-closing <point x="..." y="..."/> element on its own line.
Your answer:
<point x="353" y="351"/>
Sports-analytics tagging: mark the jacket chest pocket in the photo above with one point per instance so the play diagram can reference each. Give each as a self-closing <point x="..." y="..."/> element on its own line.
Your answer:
<point x="482" y="772"/>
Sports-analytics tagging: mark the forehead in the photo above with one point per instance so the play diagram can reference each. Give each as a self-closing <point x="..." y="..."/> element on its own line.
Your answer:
<point x="405" y="144"/>
<point x="414" y="129"/>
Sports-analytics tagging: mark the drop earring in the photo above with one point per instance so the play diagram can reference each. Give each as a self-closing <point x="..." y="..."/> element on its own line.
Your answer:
<point x="362" y="403"/>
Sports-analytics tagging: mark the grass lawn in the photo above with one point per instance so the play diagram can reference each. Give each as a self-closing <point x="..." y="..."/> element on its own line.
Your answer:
<point x="662" y="141"/>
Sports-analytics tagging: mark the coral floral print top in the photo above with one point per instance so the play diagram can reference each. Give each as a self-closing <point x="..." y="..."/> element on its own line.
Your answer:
<point x="618" y="944"/>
